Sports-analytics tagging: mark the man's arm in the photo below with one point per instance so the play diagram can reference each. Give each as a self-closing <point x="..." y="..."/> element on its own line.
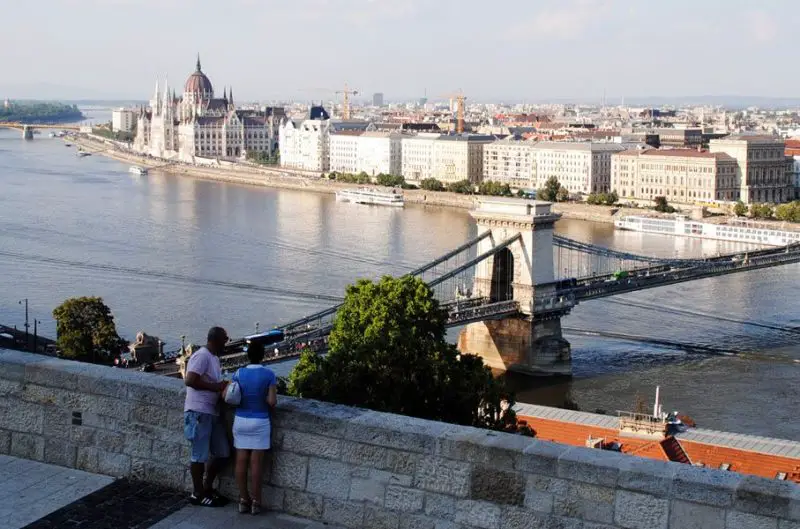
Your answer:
<point x="195" y="381"/>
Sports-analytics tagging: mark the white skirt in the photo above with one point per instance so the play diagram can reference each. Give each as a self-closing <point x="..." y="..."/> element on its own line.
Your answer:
<point x="251" y="433"/>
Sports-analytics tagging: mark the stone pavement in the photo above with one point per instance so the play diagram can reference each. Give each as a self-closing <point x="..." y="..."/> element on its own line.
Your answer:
<point x="228" y="518"/>
<point x="30" y="490"/>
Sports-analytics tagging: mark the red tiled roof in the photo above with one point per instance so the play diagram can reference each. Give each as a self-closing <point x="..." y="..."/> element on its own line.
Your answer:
<point x="745" y="462"/>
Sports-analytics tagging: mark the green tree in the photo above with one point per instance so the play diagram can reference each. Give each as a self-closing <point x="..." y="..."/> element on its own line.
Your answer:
<point x="431" y="184"/>
<point x="610" y="198"/>
<point x="86" y="330"/>
<point x="662" y="206"/>
<point x="761" y="211"/>
<point x="788" y="212"/>
<point x="740" y="210"/>
<point x="464" y="187"/>
<point x="562" y="195"/>
<point x="489" y="187"/>
<point x="390" y="180"/>
<point x="388" y="352"/>
<point x="550" y="190"/>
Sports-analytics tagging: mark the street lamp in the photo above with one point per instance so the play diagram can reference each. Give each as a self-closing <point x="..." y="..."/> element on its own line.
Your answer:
<point x="26" y="321"/>
<point x="256" y="327"/>
<point x="36" y="335"/>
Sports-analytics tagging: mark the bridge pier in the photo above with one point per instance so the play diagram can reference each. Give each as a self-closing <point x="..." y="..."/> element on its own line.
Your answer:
<point x="27" y="132"/>
<point x="530" y="342"/>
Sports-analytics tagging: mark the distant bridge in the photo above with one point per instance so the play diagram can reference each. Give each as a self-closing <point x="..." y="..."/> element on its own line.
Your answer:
<point x="512" y="284"/>
<point x="28" y="128"/>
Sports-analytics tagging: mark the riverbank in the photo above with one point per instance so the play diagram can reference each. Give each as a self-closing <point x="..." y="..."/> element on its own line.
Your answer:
<point x="283" y="178"/>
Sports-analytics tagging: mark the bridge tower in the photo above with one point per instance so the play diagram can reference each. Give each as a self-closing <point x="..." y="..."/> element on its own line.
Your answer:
<point x="530" y="342"/>
<point x="27" y="132"/>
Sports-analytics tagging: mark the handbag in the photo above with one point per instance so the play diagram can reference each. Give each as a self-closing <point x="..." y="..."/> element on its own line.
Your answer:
<point x="233" y="392"/>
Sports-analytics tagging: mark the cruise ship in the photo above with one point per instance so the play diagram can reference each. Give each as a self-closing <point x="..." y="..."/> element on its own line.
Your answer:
<point x="735" y="231"/>
<point x="371" y="196"/>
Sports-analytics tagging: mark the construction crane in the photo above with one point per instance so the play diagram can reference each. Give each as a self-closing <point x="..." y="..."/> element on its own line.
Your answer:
<point x="459" y="98"/>
<point x="346" y="93"/>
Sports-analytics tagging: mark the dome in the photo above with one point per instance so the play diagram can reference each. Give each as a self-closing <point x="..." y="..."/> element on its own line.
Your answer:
<point x="198" y="84"/>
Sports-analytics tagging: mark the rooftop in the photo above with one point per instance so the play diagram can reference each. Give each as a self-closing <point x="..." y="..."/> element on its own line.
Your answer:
<point x="590" y="146"/>
<point x="678" y="153"/>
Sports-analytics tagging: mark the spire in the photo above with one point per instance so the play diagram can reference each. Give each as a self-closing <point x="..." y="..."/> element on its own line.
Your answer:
<point x="225" y="93"/>
<point x="198" y="62"/>
<point x="230" y="95"/>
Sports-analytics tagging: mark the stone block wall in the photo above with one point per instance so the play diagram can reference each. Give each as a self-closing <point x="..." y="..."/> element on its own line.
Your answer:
<point x="362" y="469"/>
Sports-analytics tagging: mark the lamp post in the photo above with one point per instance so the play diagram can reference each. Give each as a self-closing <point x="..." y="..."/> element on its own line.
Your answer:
<point x="36" y="335"/>
<point x="256" y="327"/>
<point x="27" y="336"/>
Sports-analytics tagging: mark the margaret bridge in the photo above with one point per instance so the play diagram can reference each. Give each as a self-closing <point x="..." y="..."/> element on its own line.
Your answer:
<point x="510" y="286"/>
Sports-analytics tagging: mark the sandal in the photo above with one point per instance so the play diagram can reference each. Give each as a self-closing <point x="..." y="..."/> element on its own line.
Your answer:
<point x="255" y="508"/>
<point x="245" y="506"/>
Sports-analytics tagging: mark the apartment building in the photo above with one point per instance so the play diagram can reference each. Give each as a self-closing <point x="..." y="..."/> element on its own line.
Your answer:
<point x="446" y="157"/>
<point x="123" y="120"/>
<point x="305" y="144"/>
<point x="680" y="175"/>
<point x="581" y="167"/>
<point x="764" y="172"/>
<point x="510" y="161"/>
<point x="372" y="152"/>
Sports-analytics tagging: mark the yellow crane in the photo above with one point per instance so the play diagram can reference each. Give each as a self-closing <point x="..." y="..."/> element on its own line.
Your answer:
<point x="346" y="93"/>
<point x="459" y="98"/>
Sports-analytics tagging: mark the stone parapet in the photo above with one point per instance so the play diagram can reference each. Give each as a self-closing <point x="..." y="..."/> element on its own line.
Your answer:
<point x="363" y="469"/>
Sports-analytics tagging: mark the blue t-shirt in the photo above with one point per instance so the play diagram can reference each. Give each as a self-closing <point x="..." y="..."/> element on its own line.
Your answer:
<point x="255" y="381"/>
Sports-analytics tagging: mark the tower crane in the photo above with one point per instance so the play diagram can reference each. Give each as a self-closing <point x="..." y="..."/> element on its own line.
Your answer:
<point x="460" y="98"/>
<point x="346" y="93"/>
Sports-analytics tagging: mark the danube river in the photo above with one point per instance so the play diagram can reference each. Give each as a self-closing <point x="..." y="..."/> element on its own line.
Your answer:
<point x="173" y="255"/>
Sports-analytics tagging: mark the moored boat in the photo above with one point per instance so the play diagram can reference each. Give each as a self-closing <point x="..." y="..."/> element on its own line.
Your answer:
<point x="135" y="169"/>
<point x="371" y="196"/>
<point x="735" y="231"/>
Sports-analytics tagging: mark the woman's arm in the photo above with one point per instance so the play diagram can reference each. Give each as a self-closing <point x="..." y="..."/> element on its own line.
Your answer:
<point x="272" y="396"/>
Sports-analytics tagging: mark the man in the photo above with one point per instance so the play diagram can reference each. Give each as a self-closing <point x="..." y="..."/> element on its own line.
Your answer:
<point x="203" y="426"/>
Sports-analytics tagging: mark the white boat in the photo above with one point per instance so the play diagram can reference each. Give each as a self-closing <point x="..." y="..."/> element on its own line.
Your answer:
<point x="735" y="231"/>
<point x="135" y="169"/>
<point x="371" y="196"/>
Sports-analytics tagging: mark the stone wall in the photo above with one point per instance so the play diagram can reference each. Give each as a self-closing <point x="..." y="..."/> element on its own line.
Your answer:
<point x="363" y="469"/>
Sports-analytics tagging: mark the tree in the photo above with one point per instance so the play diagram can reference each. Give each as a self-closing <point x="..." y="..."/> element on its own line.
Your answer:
<point x="562" y="195"/>
<point x="494" y="188"/>
<point x="610" y="198"/>
<point x="431" y="184"/>
<point x="662" y="206"/>
<point x="388" y="352"/>
<point x="464" y="187"/>
<point x="788" y="212"/>
<point x="550" y="190"/>
<point x="390" y="180"/>
<point x="761" y="211"/>
<point x="86" y="330"/>
<point x="740" y="210"/>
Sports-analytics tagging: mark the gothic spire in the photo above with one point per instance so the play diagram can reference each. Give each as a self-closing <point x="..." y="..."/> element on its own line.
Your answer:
<point x="198" y="62"/>
<point x="230" y="95"/>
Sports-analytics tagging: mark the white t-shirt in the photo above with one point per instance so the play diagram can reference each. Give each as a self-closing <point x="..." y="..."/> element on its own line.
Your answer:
<point x="204" y="363"/>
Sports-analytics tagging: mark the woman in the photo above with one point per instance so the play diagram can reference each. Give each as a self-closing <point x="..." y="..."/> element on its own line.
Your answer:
<point x="251" y="426"/>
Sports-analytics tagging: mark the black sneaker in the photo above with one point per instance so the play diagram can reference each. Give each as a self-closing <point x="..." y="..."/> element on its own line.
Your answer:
<point x="208" y="501"/>
<point x="216" y="496"/>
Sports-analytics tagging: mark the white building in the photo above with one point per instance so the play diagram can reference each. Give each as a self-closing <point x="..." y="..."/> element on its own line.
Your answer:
<point x="510" y="161"/>
<point x="306" y="144"/>
<point x="581" y="167"/>
<point x="764" y="173"/>
<point x="371" y="152"/>
<point x="198" y="125"/>
<point x="445" y="157"/>
<point x="123" y="120"/>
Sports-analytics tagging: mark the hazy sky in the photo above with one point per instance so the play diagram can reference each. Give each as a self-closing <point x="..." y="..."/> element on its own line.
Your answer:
<point x="500" y="49"/>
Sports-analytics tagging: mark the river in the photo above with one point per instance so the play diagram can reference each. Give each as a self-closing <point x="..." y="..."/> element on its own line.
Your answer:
<point x="173" y="255"/>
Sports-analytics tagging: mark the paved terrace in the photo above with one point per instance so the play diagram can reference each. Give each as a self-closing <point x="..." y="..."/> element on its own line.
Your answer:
<point x="362" y="469"/>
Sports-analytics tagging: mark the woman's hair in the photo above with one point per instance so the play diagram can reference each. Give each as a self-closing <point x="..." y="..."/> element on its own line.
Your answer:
<point x="255" y="352"/>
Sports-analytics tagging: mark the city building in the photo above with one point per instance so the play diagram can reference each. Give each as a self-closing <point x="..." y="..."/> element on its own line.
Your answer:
<point x="581" y="167"/>
<point x="679" y="137"/>
<point x="371" y="152"/>
<point x="510" y="161"/>
<point x="199" y="125"/>
<point x="6" y="104"/>
<point x="123" y="120"/>
<point x="377" y="99"/>
<point x="680" y="175"/>
<point x="306" y="144"/>
<point x="445" y="157"/>
<point x="793" y="151"/>
<point x="764" y="173"/>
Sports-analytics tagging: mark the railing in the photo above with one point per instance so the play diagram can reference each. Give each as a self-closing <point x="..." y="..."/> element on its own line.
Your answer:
<point x="641" y="423"/>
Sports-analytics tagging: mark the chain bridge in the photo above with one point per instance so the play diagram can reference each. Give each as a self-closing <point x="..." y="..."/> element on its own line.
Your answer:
<point x="510" y="286"/>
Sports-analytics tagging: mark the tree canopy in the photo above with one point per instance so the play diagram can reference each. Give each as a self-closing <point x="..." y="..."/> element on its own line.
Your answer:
<point x="388" y="352"/>
<point x="490" y="187"/>
<point x="86" y="330"/>
<point x="788" y="212"/>
<point x="740" y="210"/>
<point x="431" y="184"/>
<point x="603" y="199"/>
<point x="662" y="206"/>
<point x="550" y="190"/>
<point x="761" y="211"/>
<point x="40" y="112"/>
<point x="464" y="187"/>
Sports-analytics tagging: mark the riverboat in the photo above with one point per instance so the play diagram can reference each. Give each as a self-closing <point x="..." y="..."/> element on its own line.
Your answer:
<point x="371" y="196"/>
<point x="83" y="154"/>
<point x="735" y="231"/>
<point x="135" y="169"/>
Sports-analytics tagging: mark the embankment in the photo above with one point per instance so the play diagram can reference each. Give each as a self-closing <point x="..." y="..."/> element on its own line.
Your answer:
<point x="363" y="469"/>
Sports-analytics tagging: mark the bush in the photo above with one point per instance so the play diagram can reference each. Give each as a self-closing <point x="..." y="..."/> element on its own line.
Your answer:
<point x="662" y="206"/>
<point x="390" y="180"/>
<point x="431" y="184"/>
<point x="348" y="178"/>
<point x="463" y="187"/>
<point x="603" y="199"/>
<point x="740" y="210"/>
<point x="761" y="211"/>
<point x="494" y="189"/>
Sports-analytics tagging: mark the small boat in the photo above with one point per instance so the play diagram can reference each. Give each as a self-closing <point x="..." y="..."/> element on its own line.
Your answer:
<point x="371" y="196"/>
<point x="83" y="154"/>
<point x="52" y="135"/>
<point x="135" y="169"/>
<point x="67" y="145"/>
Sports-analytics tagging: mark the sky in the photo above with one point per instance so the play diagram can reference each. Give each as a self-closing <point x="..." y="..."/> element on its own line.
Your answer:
<point x="501" y="50"/>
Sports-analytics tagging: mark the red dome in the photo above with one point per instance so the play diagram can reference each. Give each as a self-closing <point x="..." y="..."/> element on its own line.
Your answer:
<point x="198" y="83"/>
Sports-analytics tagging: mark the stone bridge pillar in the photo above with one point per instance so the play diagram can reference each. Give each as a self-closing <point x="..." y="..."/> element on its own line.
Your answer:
<point x="526" y="343"/>
<point x="27" y="132"/>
